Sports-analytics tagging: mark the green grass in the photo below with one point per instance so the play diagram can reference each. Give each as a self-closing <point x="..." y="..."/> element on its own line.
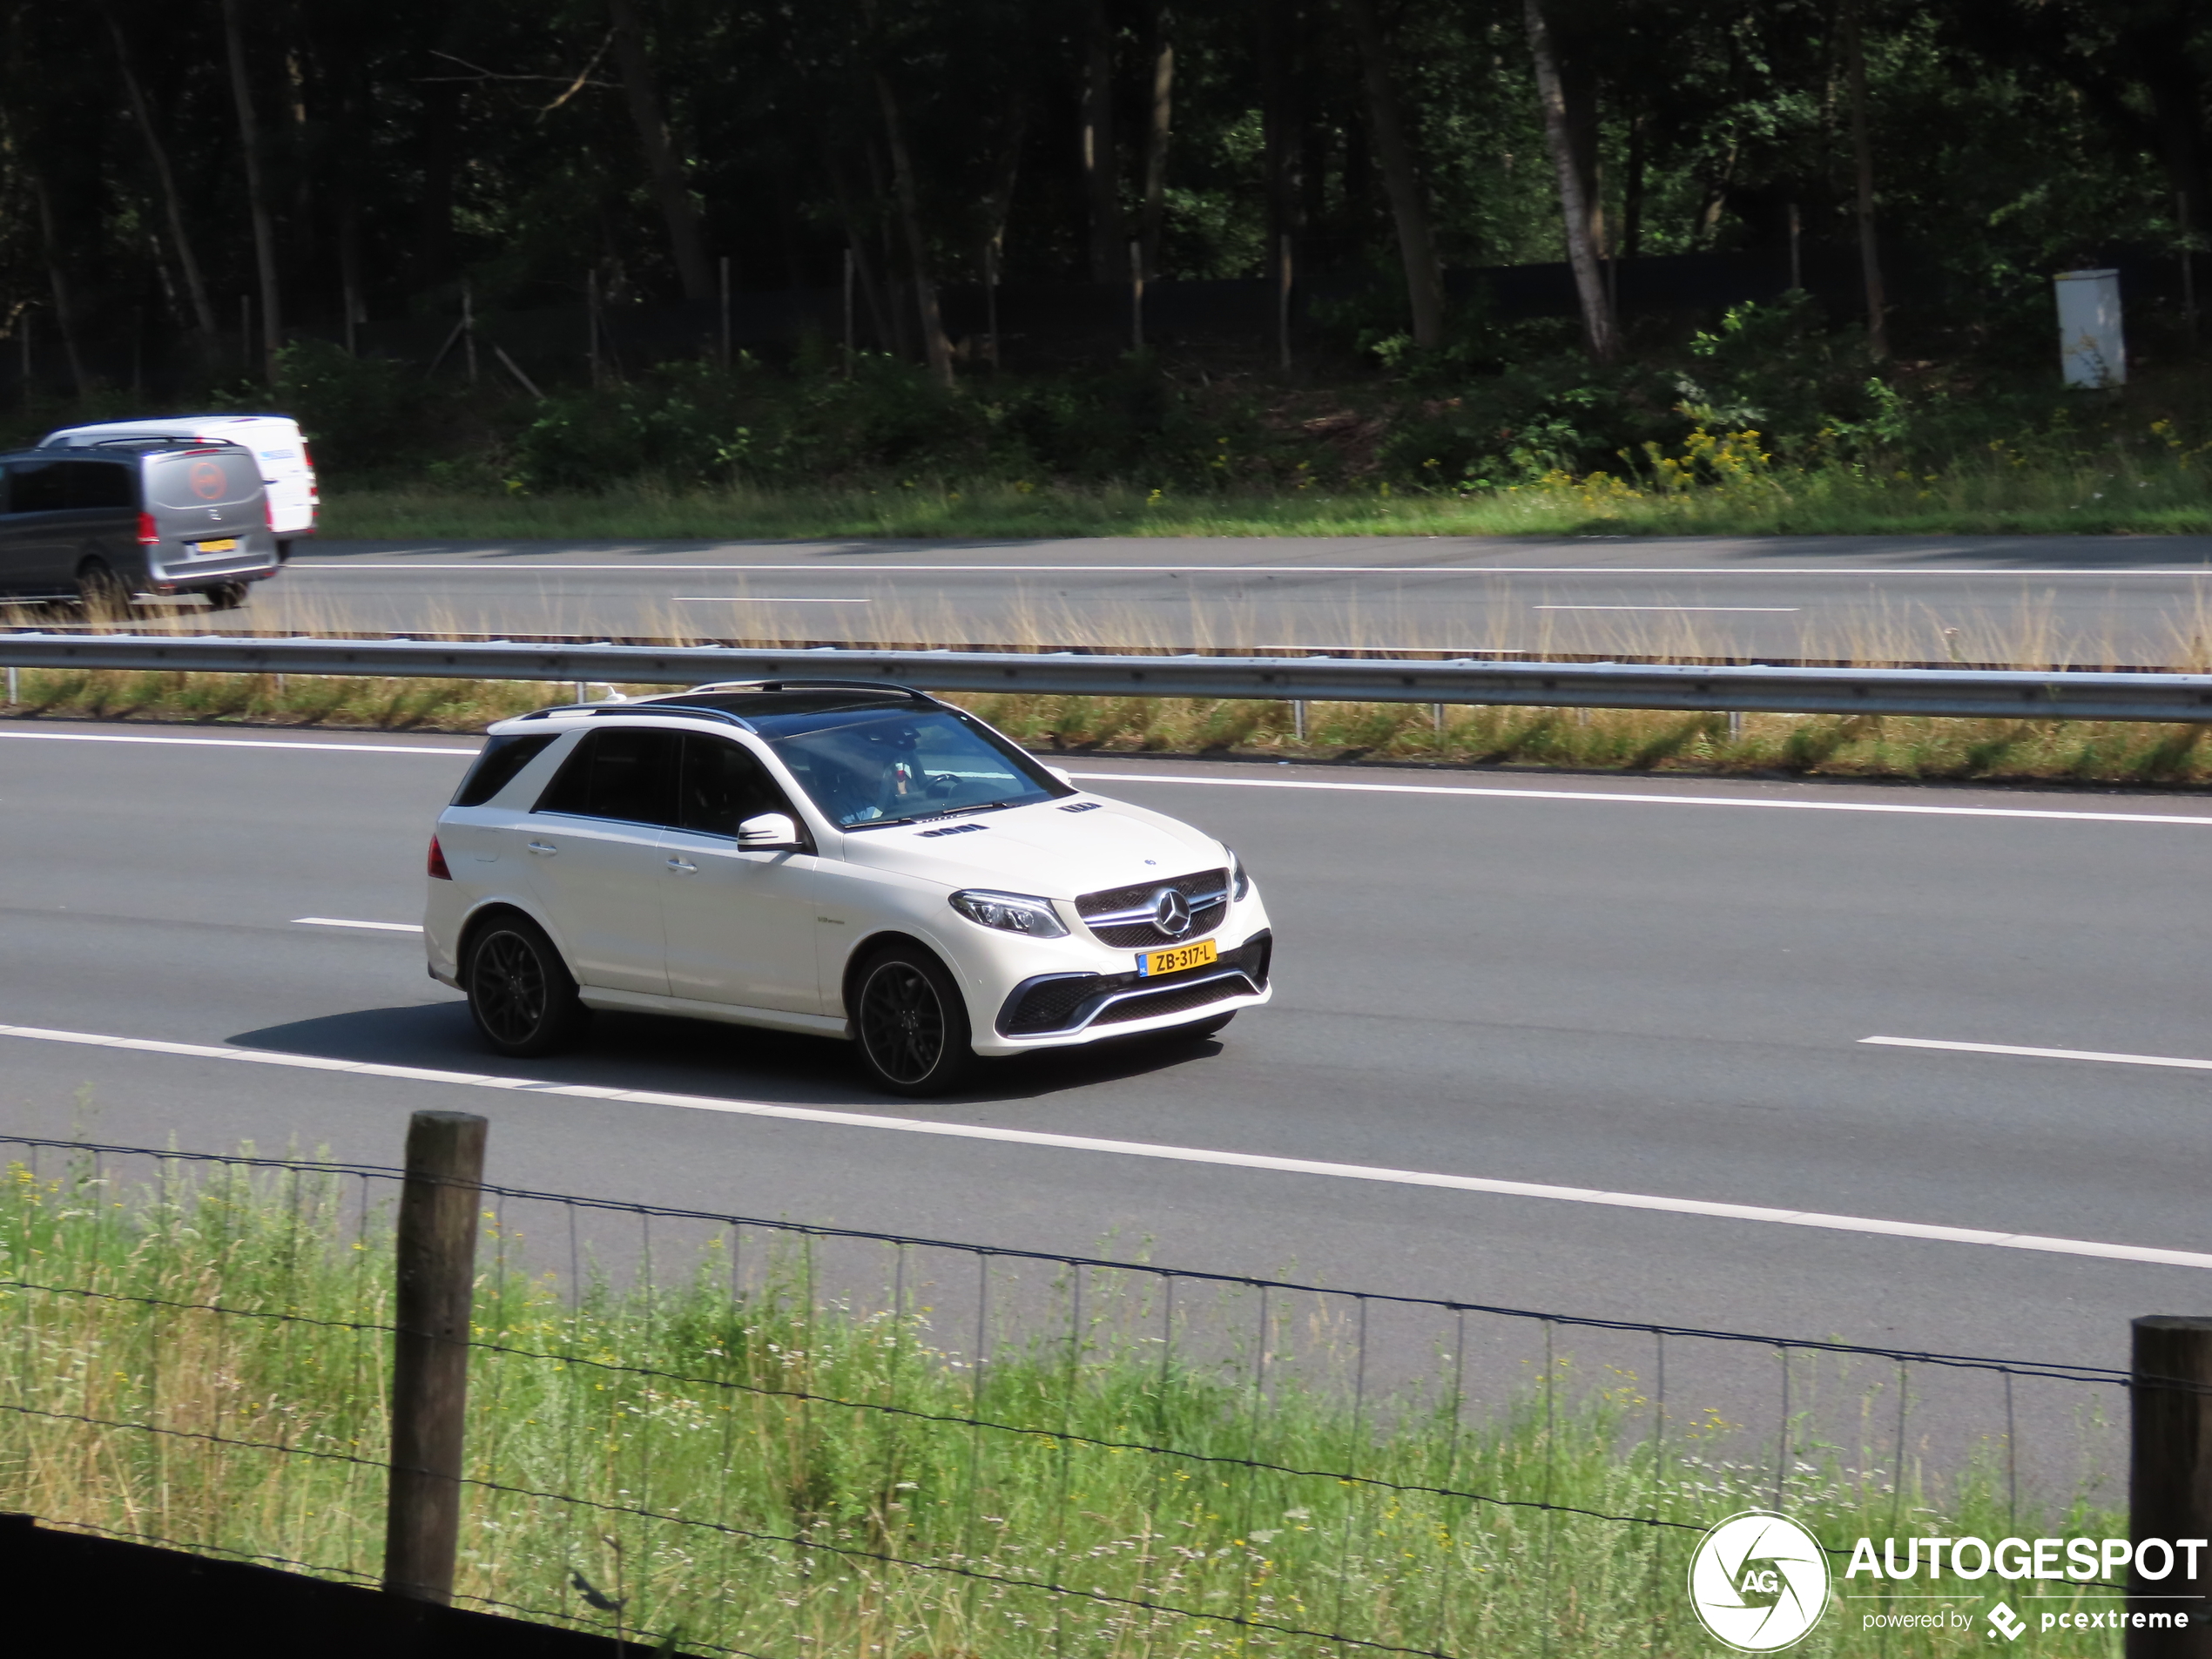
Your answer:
<point x="810" y="1469"/>
<point x="2117" y="492"/>
<point x="1893" y="747"/>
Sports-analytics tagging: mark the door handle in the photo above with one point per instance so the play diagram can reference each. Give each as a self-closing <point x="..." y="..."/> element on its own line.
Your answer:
<point x="543" y="847"/>
<point x="683" y="865"/>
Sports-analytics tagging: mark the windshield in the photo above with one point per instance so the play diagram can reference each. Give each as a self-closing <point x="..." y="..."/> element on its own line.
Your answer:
<point x="866" y="767"/>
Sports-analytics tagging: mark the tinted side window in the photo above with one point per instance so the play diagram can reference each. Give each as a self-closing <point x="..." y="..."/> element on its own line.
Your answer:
<point x="627" y="775"/>
<point x="723" y="786"/>
<point x="36" y="487"/>
<point x="106" y="484"/>
<point x="498" y="766"/>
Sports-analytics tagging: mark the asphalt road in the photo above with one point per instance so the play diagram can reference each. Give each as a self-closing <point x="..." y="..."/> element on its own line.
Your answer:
<point x="2136" y="599"/>
<point x="1656" y="987"/>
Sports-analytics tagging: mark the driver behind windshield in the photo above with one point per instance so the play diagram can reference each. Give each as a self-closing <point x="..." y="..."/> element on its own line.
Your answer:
<point x="884" y="766"/>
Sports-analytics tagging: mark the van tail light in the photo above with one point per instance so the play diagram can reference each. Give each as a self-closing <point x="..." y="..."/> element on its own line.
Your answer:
<point x="268" y="511"/>
<point x="438" y="871"/>
<point x="149" y="536"/>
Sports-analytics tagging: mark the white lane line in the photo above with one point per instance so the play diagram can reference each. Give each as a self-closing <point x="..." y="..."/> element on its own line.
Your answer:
<point x="2042" y="1053"/>
<point x="340" y="921"/>
<point x="1923" y="1231"/>
<point x="1643" y="800"/>
<point x="1763" y="611"/>
<point x="823" y="566"/>
<point x="237" y="743"/>
<point x="758" y="599"/>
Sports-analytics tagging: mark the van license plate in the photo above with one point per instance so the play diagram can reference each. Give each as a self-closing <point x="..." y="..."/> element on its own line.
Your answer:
<point x="1174" y="962"/>
<point x="207" y="550"/>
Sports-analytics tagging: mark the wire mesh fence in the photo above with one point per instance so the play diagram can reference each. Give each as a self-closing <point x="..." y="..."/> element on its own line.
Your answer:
<point x="756" y="1437"/>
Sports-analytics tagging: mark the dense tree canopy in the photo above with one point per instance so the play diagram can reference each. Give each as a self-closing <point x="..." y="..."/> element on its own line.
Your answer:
<point x="159" y="162"/>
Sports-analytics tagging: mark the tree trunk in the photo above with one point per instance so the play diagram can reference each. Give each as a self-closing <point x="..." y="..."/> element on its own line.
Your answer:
<point x="1401" y="179"/>
<point x="1279" y="136"/>
<point x="856" y="240"/>
<point x="671" y="190"/>
<point x="1156" y="143"/>
<point x="902" y="173"/>
<point x="1574" y="205"/>
<point x="998" y="207"/>
<point x="257" y="193"/>
<point x="158" y="153"/>
<point x="1633" y="189"/>
<point x="64" y="308"/>
<point x="1100" y="182"/>
<point x="1878" y="332"/>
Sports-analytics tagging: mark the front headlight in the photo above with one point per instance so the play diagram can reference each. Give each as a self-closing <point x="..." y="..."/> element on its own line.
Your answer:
<point x="1010" y="913"/>
<point x="1239" y="882"/>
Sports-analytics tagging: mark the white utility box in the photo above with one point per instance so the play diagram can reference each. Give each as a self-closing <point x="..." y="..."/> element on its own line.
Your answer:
<point x="2092" y="349"/>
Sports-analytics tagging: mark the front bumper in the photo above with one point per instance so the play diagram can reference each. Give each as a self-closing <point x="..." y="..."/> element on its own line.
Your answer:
<point x="1061" y="1005"/>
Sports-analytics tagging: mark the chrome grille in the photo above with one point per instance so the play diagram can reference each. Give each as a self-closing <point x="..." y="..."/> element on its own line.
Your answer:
<point x="1121" y="917"/>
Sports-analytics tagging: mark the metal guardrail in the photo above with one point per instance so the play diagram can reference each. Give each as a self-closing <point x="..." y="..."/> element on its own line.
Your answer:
<point x="1965" y="693"/>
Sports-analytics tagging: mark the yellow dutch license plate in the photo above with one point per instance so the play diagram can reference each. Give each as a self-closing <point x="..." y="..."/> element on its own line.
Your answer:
<point x="228" y="545"/>
<point x="1174" y="962"/>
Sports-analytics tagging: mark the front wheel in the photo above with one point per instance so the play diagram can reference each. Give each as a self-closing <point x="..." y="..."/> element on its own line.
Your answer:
<point x="912" y="1023"/>
<point x="521" y="993"/>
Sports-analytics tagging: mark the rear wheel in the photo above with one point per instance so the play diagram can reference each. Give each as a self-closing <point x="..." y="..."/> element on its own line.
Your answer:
<point x="912" y="1023"/>
<point x="100" y="592"/>
<point x="520" y="992"/>
<point x="228" y="597"/>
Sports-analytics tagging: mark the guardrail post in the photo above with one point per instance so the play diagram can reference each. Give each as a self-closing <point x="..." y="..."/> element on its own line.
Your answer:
<point x="437" y="1268"/>
<point x="2170" y="1481"/>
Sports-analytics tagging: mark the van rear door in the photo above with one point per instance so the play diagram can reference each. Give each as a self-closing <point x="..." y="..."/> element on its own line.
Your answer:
<point x="204" y="496"/>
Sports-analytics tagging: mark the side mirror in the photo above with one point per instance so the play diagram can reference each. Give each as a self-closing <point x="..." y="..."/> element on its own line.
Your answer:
<point x="1066" y="777"/>
<point x="769" y="832"/>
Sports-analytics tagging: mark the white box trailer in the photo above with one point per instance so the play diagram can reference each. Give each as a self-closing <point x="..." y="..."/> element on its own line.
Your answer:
<point x="288" y="470"/>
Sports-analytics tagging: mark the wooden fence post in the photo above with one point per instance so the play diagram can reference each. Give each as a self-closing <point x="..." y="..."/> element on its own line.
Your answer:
<point x="438" y="1270"/>
<point x="2170" y="1482"/>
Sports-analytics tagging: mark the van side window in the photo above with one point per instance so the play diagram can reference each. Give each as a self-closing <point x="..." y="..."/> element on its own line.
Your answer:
<point x="723" y="784"/>
<point x="625" y="775"/>
<point x="105" y="484"/>
<point x="36" y="487"/>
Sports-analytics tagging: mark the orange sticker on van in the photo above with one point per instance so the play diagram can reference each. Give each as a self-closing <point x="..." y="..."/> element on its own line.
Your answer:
<point x="207" y="481"/>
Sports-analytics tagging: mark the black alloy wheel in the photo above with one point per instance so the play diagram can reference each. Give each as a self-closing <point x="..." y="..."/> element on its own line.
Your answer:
<point x="912" y="1024"/>
<point x="227" y="596"/>
<point x="520" y="993"/>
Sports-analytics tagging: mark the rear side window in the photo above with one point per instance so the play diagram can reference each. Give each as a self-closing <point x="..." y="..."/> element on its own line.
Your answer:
<point x="36" y="487"/>
<point x="502" y="760"/>
<point x="105" y="484"/>
<point x="723" y="784"/>
<point x="201" y="478"/>
<point x="626" y="775"/>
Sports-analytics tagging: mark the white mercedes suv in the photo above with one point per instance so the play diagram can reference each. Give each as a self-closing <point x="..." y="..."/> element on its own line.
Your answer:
<point x="862" y="861"/>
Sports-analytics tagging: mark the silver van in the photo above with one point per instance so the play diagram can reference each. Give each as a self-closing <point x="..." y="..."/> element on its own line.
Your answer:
<point x="150" y="516"/>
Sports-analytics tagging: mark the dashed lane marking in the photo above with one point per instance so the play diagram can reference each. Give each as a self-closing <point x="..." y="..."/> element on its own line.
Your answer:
<point x="1922" y="1231"/>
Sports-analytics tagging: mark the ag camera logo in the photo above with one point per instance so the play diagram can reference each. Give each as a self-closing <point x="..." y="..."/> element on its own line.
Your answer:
<point x="1759" y="1581"/>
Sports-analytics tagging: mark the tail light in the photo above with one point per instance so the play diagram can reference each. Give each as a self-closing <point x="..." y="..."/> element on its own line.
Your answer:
<point x="268" y="510"/>
<point x="438" y="871"/>
<point x="148" y="534"/>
